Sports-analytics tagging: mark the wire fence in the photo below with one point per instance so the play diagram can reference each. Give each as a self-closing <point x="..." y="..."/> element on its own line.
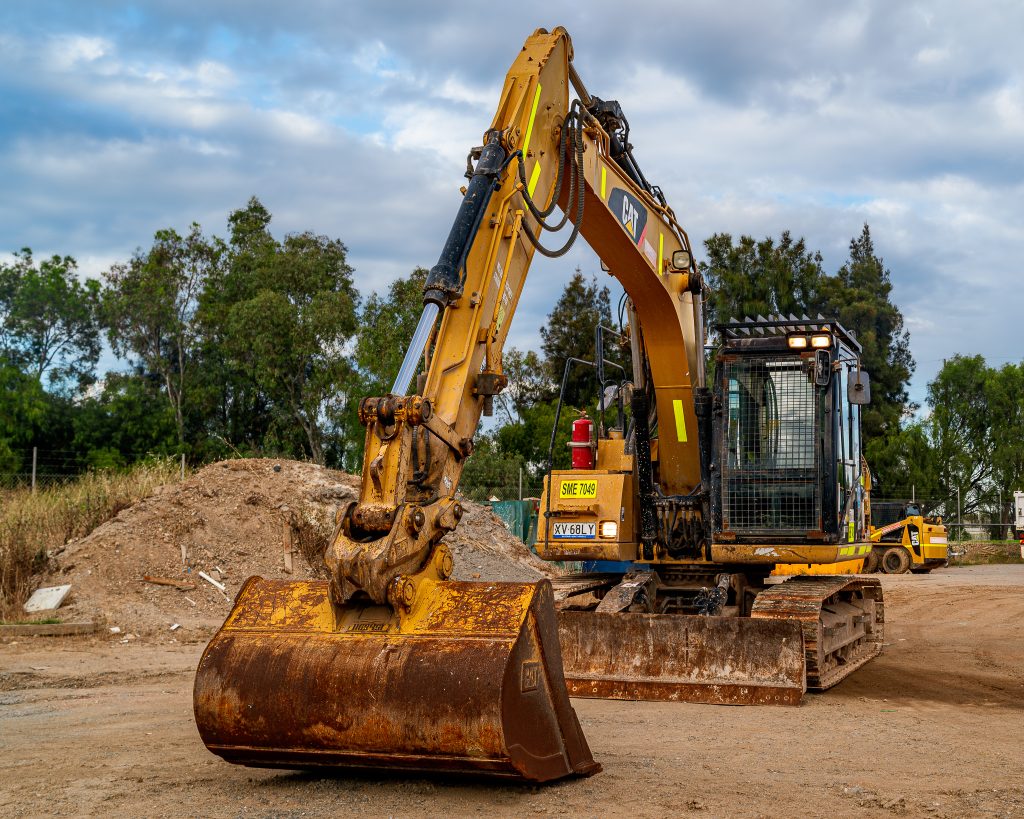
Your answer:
<point x="42" y="468"/>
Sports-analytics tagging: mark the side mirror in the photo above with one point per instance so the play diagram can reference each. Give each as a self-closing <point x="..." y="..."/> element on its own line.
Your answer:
<point x="859" y="391"/>
<point x="822" y="368"/>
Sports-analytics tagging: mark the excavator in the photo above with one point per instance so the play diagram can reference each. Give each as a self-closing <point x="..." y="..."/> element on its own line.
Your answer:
<point x="696" y="492"/>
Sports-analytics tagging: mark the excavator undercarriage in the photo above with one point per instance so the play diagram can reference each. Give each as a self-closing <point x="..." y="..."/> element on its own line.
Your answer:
<point x="774" y="643"/>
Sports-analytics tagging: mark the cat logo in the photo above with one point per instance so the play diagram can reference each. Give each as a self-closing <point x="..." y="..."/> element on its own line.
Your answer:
<point x="628" y="217"/>
<point x="632" y="215"/>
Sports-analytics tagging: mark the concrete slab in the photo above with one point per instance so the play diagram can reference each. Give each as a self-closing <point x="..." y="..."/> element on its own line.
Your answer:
<point x="47" y="598"/>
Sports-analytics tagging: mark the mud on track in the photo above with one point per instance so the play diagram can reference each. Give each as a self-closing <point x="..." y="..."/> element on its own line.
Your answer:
<point x="935" y="727"/>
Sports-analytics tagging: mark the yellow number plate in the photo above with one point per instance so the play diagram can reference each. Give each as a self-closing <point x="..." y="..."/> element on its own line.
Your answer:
<point x="578" y="489"/>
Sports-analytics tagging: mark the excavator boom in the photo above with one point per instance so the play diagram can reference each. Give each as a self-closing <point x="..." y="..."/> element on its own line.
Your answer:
<point x="390" y="663"/>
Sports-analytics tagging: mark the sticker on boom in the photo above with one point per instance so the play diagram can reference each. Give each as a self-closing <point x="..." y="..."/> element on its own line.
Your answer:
<point x="578" y="489"/>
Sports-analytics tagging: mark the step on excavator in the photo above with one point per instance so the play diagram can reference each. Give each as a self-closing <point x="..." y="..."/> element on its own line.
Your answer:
<point x="391" y="664"/>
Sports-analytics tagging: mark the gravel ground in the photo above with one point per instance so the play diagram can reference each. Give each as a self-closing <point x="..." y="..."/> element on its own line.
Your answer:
<point x="932" y="728"/>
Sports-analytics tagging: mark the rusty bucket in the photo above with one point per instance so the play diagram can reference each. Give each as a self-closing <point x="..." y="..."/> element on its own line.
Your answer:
<point x="682" y="658"/>
<point x="469" y="681"/>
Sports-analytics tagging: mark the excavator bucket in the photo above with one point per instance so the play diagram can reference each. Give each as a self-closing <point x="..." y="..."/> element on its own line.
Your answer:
<point x="469" y="681"/>
<point x="682" y="658"/>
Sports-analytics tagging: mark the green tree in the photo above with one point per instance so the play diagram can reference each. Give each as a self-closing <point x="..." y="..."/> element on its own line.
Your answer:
<point x="528" y="385"/>
<point x="751" y="278"/>
<point x="905" y="464"/>
<point x="49" y="320"/>
<point x="150" y="304"/>
<point x="569" y="332"/>
<point x="490" y="471"/>
<point x="22" y="406"/>
<point x="386" y="324"/>
<point x="961" y="423"/>
<point x="860" y="296"/>
<point x="290" y="313"/>
<point x="1005" y="393"/>
<point x="128" y="419"/>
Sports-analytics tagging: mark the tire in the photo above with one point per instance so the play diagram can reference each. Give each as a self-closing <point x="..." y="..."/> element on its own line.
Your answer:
<point x="895" y="560"/>
<point x="871" y="562"/>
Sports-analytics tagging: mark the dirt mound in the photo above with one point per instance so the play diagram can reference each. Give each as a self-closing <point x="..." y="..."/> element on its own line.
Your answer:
<point x="229" y="521"/>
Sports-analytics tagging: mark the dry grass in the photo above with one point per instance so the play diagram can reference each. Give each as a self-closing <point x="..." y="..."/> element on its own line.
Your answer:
<point x="33" y="525"/>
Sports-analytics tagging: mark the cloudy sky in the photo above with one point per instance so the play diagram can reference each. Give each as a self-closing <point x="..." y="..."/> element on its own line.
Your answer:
<point x="354" y="119"/>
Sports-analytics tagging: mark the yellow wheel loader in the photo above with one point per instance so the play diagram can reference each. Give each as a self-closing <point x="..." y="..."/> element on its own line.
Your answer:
<point x="903" y="540"/>
<point x="391" y="664"/>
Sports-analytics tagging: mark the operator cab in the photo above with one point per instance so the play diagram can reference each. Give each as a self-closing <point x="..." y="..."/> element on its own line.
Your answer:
<point x="786" y="455"/>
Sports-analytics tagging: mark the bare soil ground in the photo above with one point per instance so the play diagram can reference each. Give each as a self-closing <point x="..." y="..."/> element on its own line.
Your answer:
<point x="933" y="728"/>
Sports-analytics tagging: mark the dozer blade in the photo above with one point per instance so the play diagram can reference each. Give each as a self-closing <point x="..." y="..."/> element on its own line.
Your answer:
<point x="470" y="680"/>
<point x="682" y="658"/>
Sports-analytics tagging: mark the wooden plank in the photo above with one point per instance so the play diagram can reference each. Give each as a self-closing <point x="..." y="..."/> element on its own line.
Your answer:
<point x="184" y="585"/>
<point x="288" y="547"/>
<point x="46" y="629"/>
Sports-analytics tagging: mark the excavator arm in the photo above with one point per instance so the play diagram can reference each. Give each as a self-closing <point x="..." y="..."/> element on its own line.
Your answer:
<point x="389" y="663"/>
<point x="540" y="150"/>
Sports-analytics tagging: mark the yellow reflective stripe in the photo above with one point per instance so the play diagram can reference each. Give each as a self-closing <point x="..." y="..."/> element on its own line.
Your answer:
<point x="529" y="127"/>
<point x="533" y="178"/>
<point x="677" y="408"/>
<point x="604" y="181"/>
<point x="661" y="252"/>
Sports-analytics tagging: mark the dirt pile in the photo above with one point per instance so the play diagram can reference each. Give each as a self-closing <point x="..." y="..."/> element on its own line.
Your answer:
<point x="229" y="521"/>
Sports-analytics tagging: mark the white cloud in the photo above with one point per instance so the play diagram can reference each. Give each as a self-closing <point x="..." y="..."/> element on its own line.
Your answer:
<point x="355" y="121"/>
<point x="68" y="51"/>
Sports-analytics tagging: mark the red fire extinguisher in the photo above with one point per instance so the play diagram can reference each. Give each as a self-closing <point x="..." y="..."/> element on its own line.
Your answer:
<point x="582" y="443"/>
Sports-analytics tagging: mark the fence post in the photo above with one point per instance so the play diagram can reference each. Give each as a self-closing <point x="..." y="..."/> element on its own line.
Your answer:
<point x="520" y="483"/>
<point x="183" y="466"/>
<point x="35" y="452"/>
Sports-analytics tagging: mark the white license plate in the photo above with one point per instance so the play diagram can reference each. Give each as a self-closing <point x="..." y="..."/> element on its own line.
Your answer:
<point x="575" y="530"/>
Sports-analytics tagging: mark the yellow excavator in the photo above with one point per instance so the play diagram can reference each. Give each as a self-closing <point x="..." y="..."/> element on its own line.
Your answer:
<point x="391" y="664"/>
